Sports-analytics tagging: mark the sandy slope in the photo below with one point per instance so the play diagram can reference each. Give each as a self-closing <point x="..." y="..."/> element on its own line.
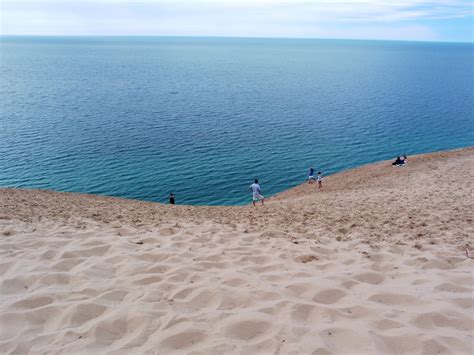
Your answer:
<point x="372" y="264"/>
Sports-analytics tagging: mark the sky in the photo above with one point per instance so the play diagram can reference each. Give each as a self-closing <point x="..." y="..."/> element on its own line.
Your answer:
<point x="415" y="20"/>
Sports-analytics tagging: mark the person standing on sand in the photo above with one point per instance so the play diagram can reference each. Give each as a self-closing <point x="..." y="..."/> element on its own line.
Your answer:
<point x="319" y="179"/>
<point x="311" y="177"/>
<point x="256" y="192"/>
<point x="171" y="198"/>
<point x="469" y="253"/>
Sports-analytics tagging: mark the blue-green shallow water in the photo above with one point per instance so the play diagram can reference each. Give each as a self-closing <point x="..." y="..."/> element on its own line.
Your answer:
<point x="140" y="117"/>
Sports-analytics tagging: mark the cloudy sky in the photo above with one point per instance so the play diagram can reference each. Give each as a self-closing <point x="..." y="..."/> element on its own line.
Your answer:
<point x="432" y="20"/>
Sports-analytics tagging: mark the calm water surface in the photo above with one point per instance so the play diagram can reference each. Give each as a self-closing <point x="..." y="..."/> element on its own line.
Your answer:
<point x="140" y="117"/>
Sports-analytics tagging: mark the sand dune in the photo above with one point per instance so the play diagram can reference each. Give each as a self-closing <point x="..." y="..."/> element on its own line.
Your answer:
<point x="372" y="264"/>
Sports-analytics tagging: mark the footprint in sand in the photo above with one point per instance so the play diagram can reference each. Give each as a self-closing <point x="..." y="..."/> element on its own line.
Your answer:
<point x="255" y="259"/>
<point x="153" y="258"/>
<point x="183" y="340"/>
<point x="235" y="282"/>
<point x="349" y="284"/>
<point x="148" y="280"/>
<point x="464" y="303"/>
<point x="56" y="278"/>
<point x="14" y="285"/>
<point x="48" y="255"/>
<point x="355" y="311"/>
<point x="430" y="320"/>
<point x="370" y="278"/>
<point x="299" y="289"/>
<point x="329" y="296"/>
<point x="399" y="344"/>
<point x="108" y="331"/>
<point x="433" y="347"/>
<point x="17" y="321"/>
<point x="115" y="296"/>
<point x="450" y="287"/>
<point x="235" y="299"/>
<point x="303" y="313"/>
<point x="345" y="341"/>
<point x="116" y="259"/>
<point x="200" y="299"/>
<point x="67" y="264"/>
<point x="94" y="251"/>
<point x="394" y="299"/>
<point x="34" y="302"/>
<point x="387" y="324"/>
<point x="178" y="277"/>
<point x="247" y="330"/>
<point x="157" y="269"/>
<point x="82" y="313"/>
<point x="321" y="351"/>
<point x="166" y="232"/>
<point x="5" y="266"/>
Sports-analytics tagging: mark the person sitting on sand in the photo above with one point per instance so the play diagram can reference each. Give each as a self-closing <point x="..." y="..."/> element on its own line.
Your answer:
<point x="171" y="198"/>
<point x="256" y="192"/>
<point x="398" y="162"/>
<point x="320" y="180"/>
<point x="311" y="177"/>
<point x="405" y="159"/>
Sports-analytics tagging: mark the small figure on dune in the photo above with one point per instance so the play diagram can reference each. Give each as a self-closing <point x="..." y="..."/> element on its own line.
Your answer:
<point x="311" y="177"/>
<point x="405" y="159"/>
<point x="171" y="198"/>
<point x="319" y="179"/>
<point x="469" y="253"/>
<point x="256" y="192"/>
<point x="399" y="162"/>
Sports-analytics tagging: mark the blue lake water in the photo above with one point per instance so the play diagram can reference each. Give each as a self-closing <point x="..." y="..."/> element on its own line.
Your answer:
<point x="139" y="117"/>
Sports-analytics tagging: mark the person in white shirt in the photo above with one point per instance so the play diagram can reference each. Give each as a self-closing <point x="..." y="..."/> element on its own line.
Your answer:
<point x="256" y="192"/>
<point x="320" y="180"/>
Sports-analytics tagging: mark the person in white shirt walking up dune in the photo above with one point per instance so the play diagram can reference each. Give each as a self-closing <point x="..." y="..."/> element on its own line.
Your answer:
<point x="256" y="192"/>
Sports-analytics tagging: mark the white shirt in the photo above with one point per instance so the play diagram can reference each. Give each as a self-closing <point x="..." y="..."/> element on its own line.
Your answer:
<point x="255" y="188"/>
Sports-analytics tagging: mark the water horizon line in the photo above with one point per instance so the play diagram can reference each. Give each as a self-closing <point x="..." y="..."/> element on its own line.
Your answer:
<point x="30" y="35"/>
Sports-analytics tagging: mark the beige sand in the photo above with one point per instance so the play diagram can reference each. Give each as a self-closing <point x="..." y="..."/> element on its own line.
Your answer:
<point x="372" y="264"/>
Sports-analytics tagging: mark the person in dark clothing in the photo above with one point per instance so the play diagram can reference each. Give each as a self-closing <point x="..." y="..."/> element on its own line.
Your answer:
<point x="311" y="177"/>
<point x="398" y="162"/>
<point x="171" y="198"/>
